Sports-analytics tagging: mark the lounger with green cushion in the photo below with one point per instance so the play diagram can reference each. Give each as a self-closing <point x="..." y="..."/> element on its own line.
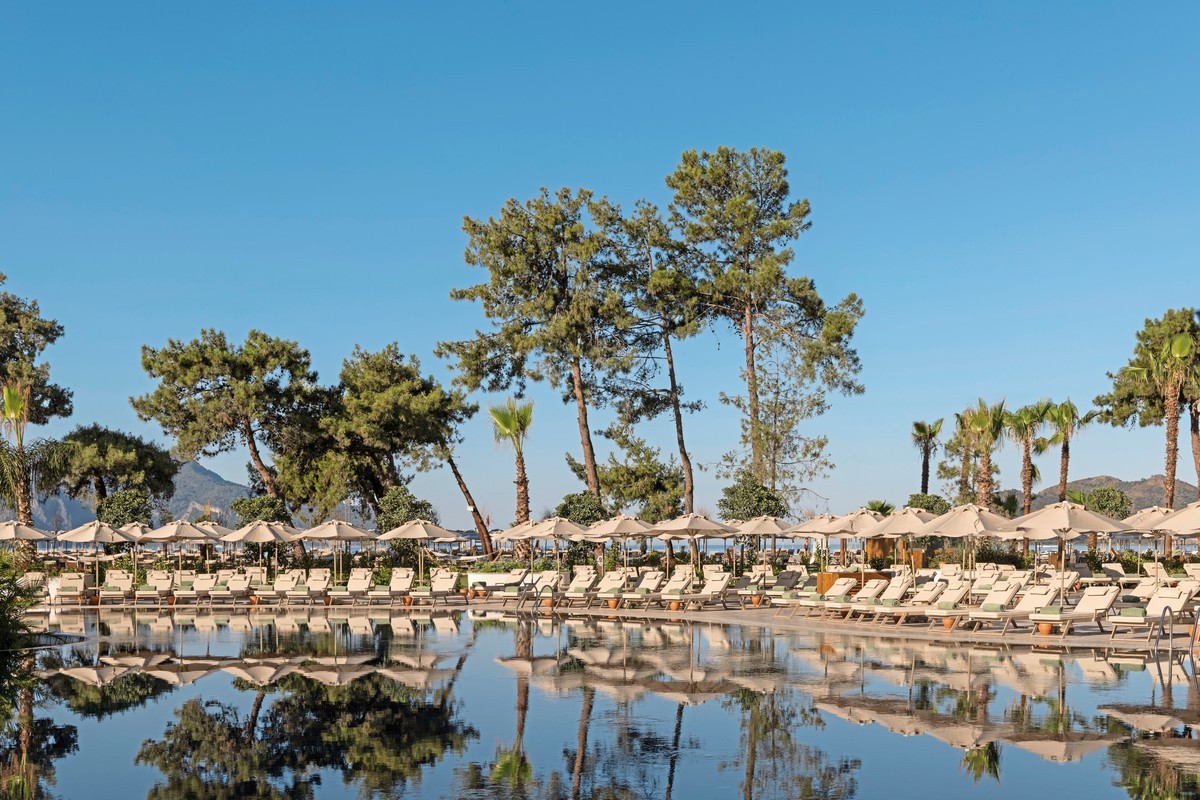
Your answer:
<point x="1035" y="598"/>
<point x="1132" y="618"/>
<point x="1094" y="604"/>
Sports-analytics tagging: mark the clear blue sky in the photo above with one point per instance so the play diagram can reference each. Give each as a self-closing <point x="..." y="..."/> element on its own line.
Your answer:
<point x="1011" y="188"/>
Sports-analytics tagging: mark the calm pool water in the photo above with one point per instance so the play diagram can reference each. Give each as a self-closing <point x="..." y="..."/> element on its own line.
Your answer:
<point x="454" y="706"/>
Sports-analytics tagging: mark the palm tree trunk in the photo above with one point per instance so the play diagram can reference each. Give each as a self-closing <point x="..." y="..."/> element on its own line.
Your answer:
<point x="1172" y="411"/>
<point x="522" y="490"/>
<point x="1027" y="477"/>
<point x="926" y="452"/>
<point x="1194" y="413"/>
<point x="984" y="490"/>
<point x="685" y="461"/>
<point x="964" y="477"/>
<point x="1064" y="461"/>
<point x="585" y="432"/>
<point x="674" y="751"/>
<point x="485" y="540"/>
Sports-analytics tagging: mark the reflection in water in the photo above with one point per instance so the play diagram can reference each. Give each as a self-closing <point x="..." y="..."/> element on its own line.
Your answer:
<point x="297" y="705"/>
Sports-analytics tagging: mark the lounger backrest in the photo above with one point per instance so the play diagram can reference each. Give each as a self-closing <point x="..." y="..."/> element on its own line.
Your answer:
<point x="1191" y="585"/>
<point x="582" y="581"/>
<point x="841" y="586"/>
<point x="951" y="569"/>
<point x="652" y="581"/>
<point x="716" y="584"/>
<point x="402" y="580"/>
<point x="787" y="579"/>
<point x="896" y="589"/>
<point x="1113" y="569"/>
<point x="680" y="580"/>
<point x="1037" y="597"/>
<point x="1154" y="569"/>
<point x="712" y="570"/>
<point x="286" y="581"/>
<point x="1001" y="594"/>
<point x="929" y="592"/>
<point x="611" y="581"/>
<point x="1192" y="570"/>
<point x="359" y="583"/>
<point x="238" y="583"/>
<point x="871" y="589"/>
<point x="205" y="582"/>
<point x="1145" y="588"/>
<point x="1066" y="579"/>
<point x="1097" y="599"/>
<point x="446" y="582"/>
<point x="359" y="573"/>
<point x="1166" y="597"/>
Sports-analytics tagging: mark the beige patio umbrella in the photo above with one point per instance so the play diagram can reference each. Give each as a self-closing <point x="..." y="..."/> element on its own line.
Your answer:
<point x="335" y="530"/>
<point x="95" y="533"/>
<point x="1150" y="719"/>
<point x="177" y="531"/>
<point x="762" y="526"/>
<point x="1184" y="522"/>
<point x="623" y="527"/>
<point x="851" y="526"/>
<point x="967" y="521"/>
<point x="1065" y="521"/>
<point x="811" y="529"/>
<point x="554" y="529"/>
<point x="1064" y="748"/>
<point x="694" y="526"/>
<point x="261" y="532"/>
<point x="13" y="531"/>
<point x="902" y="522"/>
<point x="417" y="530"/>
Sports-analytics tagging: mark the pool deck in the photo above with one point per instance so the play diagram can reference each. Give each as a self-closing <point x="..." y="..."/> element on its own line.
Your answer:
<point x="1085" y="637"/>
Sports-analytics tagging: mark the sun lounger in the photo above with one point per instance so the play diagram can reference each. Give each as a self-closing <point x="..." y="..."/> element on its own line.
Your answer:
<point x="892" y="595"/>
<point x="544" y="587"/>
<point x="786" y="581"/>
<point x="650" y="584"/>
<point x="238" y="588"/>
<point x="1094" y="605"/>
<point x="1035" y="598"/>
<point x="1168" y="598"/>
<point x="397" y="588"/>
<point x="672" y="590"/>
<point x="72" y="589"/>
<point x="195" y="591"/>
<point x="610" y="587"/>
<point x="1155" y="570"/>
<point x="840" y="588"/>
<point x="925" y="598"/>
<point x="117" y="588"/>
<point x="156" y="589"/>
<point x="441" y="587"/>
<point x="577" y="590"/>
<point x="710" y="593"/>
<point x="354" y="592"/>
<point x="1000" y="597"/>
<point x="842" y="605"/>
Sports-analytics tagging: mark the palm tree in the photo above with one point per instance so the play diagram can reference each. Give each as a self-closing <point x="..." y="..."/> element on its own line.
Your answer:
<point x="880" y="506"/>
<point x="511" y="423"/>
<point x="1024" y="426"/>
<point x="988" y="429"/>
<point x="1065" y="420"/>
<point x="925" y="438"/>
<point x="26" y="465"/>
<point x="1169" y="369"/>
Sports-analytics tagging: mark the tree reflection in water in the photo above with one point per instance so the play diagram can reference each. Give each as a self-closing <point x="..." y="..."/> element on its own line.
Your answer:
<point x="29" y="745"/>
<point x="378" y="734"/>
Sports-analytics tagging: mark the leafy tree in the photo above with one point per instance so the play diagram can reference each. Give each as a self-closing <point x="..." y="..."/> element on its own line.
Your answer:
<point x="1107" y="500"/>
<point x="1066" y="422"/>
<point x="925" y="438"/>
<point x="553" y="300"/>
<point x="988" y="430"/>
<point x="934" y="504"/>
<point x="582" y="508"/>
<point x="664" y="306"/>
<point x="123" y="507"/>
<point x="26" y="465"/>
<point x="1136" y="397"/>
<point x="1025" y="426"/>
<point x="640" y="481"/>
<point x="960" y="451"/>
<point x="1169" y="370"/>
<point x="260" y="509"/>
<point x="510" y="424"/>
<point x="746" y="498"/>
<point x="735" y="213"/>
<point x="213" y="395"/>
<point x="24" y="335"/>
<point x="105" y="460"/>
<point x="399" y="506"/>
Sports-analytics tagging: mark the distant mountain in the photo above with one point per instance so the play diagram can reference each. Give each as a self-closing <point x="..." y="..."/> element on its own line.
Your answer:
<point x="1144" y="493"/>
<point x="197" y="491"/>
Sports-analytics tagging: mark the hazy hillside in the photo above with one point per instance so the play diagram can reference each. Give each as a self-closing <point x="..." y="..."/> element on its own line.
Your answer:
<point x="1144" y="493"/>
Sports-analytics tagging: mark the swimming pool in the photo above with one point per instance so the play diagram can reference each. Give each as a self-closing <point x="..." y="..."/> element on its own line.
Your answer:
<point x="483" y="705"/>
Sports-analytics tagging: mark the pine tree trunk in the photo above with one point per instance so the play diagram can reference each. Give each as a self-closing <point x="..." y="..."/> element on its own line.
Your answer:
<point x="1063" y="462"/>
<point x="926" y="453"/>
<point x="756" y="454"/>
<point x="581" y="737"/>
<point x="585" y="433"/>
<point x="99" y="489"/>
<point x="674" y="751"/>
<point x="485" y="540"/>
<point x="684" y="460"/>
<point x="264" y="474"/>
